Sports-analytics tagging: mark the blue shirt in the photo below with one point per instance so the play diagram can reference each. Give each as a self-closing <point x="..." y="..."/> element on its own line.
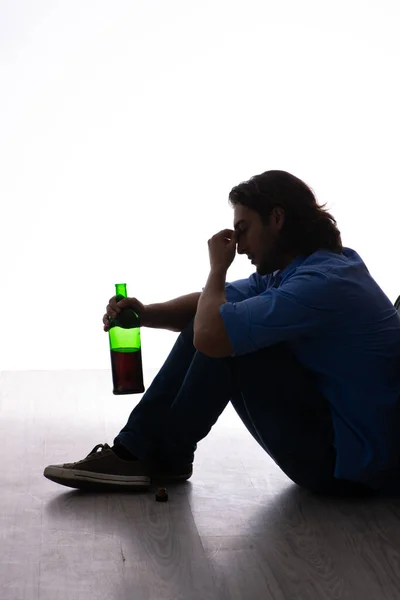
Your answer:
<point x="342" y="327"/>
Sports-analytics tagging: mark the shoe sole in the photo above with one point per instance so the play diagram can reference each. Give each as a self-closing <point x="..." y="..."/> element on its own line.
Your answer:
<point x="183" y="477"/>
<point x="88" y="479"/>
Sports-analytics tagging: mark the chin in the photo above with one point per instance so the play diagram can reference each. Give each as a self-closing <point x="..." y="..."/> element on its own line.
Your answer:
<point x="264" y="270"/>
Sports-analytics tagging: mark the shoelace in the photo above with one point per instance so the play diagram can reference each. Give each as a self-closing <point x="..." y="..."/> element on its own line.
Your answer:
<point x="161" y="492"/>
<point x="96" y="448"/>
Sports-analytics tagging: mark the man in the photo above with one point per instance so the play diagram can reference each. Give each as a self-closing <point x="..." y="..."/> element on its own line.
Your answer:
<point x="307" y="349"/>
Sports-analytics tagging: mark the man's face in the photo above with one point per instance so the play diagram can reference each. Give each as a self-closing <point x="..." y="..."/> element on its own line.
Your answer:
<point x="258" y="240"/>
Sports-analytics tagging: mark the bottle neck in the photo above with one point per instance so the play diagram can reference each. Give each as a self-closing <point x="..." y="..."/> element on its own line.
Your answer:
<point x="120" y="289"/>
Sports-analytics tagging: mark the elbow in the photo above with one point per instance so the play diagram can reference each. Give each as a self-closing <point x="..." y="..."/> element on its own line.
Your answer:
<point x="210" y="348"/>
<point x="198" y="343"/>
<point x="203" y="345"/>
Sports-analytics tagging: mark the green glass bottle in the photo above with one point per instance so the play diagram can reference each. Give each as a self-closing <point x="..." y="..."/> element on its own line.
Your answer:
<point x="125" y="348"/>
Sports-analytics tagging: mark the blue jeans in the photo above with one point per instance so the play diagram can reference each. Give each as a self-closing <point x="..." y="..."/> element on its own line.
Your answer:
<point x="273" y="395"/>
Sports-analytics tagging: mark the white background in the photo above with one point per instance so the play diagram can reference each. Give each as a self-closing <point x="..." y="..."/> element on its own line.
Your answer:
<point x="125" y="124"/>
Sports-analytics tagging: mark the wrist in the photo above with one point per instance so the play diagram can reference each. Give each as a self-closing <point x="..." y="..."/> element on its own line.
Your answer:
<point x="146" y="316"/>
<point x="220" y="269"/>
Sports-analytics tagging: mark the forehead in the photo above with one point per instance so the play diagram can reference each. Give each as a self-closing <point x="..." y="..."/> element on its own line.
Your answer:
<point x="242" y="213"/>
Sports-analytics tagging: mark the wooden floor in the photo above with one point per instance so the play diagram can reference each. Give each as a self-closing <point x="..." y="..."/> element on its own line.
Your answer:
<point x="239" y="529"/>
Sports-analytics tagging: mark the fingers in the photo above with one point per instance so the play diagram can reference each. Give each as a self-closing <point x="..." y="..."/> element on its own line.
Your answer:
<point x="228" y="233"/>
<point x="113" y="308"/>
<point x="106" y="322"/>
<point x="112" y="311"/>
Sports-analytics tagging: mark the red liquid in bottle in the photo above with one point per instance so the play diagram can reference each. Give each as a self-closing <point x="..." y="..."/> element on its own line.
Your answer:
<point x="127" y="372"/>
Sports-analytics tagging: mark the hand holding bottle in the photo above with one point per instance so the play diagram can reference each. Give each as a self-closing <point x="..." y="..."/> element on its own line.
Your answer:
<point x="114" y="308"/>
<point x="122" y="321"/>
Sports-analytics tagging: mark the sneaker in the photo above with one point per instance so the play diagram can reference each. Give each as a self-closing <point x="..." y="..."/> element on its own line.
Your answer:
<point x="101" y="469"/>
<point x="171" y="472"/>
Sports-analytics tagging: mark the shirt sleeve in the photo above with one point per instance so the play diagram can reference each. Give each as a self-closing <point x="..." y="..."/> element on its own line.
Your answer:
<point x="302" y="306"/>
<point x="242" y="289"/>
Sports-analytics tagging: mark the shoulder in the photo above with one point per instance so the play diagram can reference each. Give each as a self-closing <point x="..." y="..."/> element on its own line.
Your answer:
<point x="329" y="265"/>
<point x="322" y="275"/>
<point x="331" y="261"/>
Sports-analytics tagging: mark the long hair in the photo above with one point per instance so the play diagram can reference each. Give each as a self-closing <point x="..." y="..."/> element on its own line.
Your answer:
<point x="307" y="227"/>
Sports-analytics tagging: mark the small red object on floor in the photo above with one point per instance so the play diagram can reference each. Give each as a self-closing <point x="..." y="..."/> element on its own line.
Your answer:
<point x="162" y="495"/>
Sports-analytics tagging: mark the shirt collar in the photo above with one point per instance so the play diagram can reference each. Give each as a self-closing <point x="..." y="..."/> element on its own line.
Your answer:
<point x="289" y="268"/>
